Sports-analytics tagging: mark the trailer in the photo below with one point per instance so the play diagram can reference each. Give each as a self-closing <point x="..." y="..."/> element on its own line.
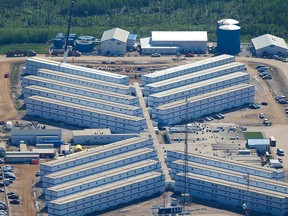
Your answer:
<point x="20" y="53"/>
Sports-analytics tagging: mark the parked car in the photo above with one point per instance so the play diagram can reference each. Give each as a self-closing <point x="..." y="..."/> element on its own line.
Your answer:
<point x="156" y="55"/>
<point x="268" y="76"/>
<point x="261" y="115"/>
<point x="264" y="103"/>
<point x="37" y="174"/>
<point x="189" y="55"/>
<point x="279" y="97"/>
<point x="282" y="101"/>
<point x="15" y="201"/>
<point x="2" y="190"/>
<point x="13" y="196"/>
<point x="11" y="193"/>
<point x="280" y="152"/>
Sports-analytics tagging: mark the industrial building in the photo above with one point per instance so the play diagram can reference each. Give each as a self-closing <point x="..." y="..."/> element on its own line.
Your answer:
<point x="114" y="42"/>
<point x="98" y="136"/>
<point x="193" y="78"/>
<point x="225" y="181"/>
<point x="34" y="64"/>
<point x="82" y="100"/>
<point x="269" y="45"/>
<point x="35" y="136"/>
<point x="77" y="89"/>
<point x="21" y="157"/>
<point x="186" y="69"/>
<point x="84" y="81"/>
<point x="173" y="42"/>
<point x="198" y="88"/>
<point x="128" y="169"/>
<point x="83" y="116"/>
<point x="131" y="40"/>
<point x="261" y="145"/>
<point x="205" y="104"/>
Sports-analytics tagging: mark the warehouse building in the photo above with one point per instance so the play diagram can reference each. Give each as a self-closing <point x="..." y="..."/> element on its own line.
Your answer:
<point x="193" y="78"/>
<point x="261" y="145"/>
<point x="35" y="63"/>
<point x="186" y="69"/>
<point x="30" y="136"/>
<point x="84" y="81"/>
<point x="82" y="100"/>
<point x="225" y="181"/>
<point x="114" y="42"/>
<point x="45" y="152"/>
<point x="98" y="136"/>
<point x="183" y="41"/>
<point x="205" y="104"/>
<point x="21" y="157"/>
<point x="77" y="89"/>
<point x="198" y="88"/>
<point x="124" y="191"/>
<point x="269" y="45"/>
<point x="83" y="116"/>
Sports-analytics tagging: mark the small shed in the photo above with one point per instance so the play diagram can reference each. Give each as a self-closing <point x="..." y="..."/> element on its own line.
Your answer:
<point x="261" y="145"/>
<point x="21" y="157"/>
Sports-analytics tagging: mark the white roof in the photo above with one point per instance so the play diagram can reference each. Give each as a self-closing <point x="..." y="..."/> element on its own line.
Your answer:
<point x="116" y="33"/>
<point x="179" y="36"/>
<point x="268" y="40"/>
<point x="228" y="22"/>
<point x="229" y="27"/>
<point x="145" y="43"/>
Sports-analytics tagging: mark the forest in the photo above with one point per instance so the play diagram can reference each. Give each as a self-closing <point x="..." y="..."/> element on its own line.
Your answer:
<point x="37" y="21"/>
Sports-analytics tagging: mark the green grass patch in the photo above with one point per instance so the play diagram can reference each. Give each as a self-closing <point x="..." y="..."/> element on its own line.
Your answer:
<point x="15" y="75"/>
<point x="39" y="48"/>
<point x="253" y="135"/>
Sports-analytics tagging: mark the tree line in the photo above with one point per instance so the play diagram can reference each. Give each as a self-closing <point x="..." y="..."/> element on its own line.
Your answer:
<point x="37" y="21"/>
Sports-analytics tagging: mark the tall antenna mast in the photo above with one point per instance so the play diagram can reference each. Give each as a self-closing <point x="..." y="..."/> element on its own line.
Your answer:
<point x="185" y="195"/>
<point x="68" y="33"/>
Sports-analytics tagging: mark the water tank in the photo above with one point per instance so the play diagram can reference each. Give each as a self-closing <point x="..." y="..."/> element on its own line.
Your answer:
<point x="228" y="39"/>
<point x="71" y="42"/>
<point x="84" y="46"/>
<point x="227" y="22"/>
<point x="58" y="43"/>
<point x="73" y="36"/>
<point x="86" y="38"/>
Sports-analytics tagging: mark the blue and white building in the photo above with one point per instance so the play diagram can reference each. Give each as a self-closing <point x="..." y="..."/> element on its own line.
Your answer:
<point x="198" y="88"/>
<point x="225" y="181"/>
<point x="83" y="116"/>
<point x="35" y="63"/>
<point x="186" y="69"/>
<point x="205" y="104"/>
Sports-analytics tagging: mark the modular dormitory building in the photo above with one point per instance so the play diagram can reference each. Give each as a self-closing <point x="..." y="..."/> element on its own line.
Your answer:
<point x="84" y="81"/>
<point x="225" y="181"/>
<point x="82" y="100"/>
<point x="198" y="88"/>
<point x="83" y="116"/>
<point x="205" y="104"/>
<point x="108" y="195"/>
<point x="102" y="177"/>
<point x="78" y="89"/>
<point x="186" y="69"/>
<point x="194" y="77"/>
<point x="34" y="64"/>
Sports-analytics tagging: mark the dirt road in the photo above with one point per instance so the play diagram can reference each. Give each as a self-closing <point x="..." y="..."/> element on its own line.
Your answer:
<point x="7" y="110"/>
<point x="25" y="177"/>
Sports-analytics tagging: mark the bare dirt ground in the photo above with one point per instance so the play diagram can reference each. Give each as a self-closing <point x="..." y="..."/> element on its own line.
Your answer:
<point x="25" y="179"/>
<point x="7" y="110"/>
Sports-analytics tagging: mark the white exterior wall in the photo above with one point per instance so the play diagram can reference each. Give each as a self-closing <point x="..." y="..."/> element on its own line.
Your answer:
<point x="94" y="118"/>
<point x="202" y="75"/>
<point x="94" y="154"/>
<point x="113" y="47"/>
<point x="101" y="139"/>
<point x="124" y="191"/>
<point x="34" y="64"/>
<point x="70" y="174"/>
<point x="264" y="172"/>
<point x="82" y="100"/>
<point x="233" y="194"/>
<point x="197" y="88"/>
<point x="77" y="89"/>
<point x="161" y="50"/>
<point x="273" y="50"/>
<point x="84" y="81"/>
<point x="186" y="69"/>
<point x="184" y="46"/>
<point x="204" y="106"/>
<point x="102" y="178"/>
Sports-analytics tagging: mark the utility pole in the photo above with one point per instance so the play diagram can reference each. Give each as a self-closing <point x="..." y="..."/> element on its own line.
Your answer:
<point x="68" y="33"/>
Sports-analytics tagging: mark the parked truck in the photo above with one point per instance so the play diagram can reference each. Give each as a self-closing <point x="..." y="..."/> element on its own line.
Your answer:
<point x="20" y="53"/>
<point x="272" y="141"/>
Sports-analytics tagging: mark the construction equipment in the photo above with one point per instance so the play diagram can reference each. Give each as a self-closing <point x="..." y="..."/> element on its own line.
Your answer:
<point x="68" y="33"/>
<point x="60" y="52"/>
<point x="20" y="53"/>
